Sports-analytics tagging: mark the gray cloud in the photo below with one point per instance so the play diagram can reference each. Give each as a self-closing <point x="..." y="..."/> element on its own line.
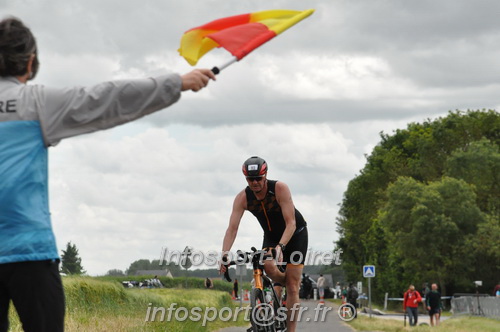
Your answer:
<point x="312" y="101"/>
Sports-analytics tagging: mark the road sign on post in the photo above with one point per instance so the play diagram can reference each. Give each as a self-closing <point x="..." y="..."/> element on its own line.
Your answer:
<point x="369" y="272"/>
<point x="241" y="271"/>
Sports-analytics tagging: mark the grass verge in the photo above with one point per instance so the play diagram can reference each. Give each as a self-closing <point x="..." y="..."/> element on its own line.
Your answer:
<point x="97" y="305"/>
<point x="458" y="324"/>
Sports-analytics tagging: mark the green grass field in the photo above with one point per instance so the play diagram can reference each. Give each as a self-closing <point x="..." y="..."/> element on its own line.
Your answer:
<point x="98" y="305"/>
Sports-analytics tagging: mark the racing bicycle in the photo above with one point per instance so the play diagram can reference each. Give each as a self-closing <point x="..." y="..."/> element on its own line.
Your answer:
<point x="267" y="310"/>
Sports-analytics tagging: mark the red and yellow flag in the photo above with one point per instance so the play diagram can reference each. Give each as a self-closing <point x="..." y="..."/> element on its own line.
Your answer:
<point x="238" y="34"/>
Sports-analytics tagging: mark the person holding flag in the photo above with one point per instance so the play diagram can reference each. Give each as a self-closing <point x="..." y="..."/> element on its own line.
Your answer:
<point x="32" y="118"/>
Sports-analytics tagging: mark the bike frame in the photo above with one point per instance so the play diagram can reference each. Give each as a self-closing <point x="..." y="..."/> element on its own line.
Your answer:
<point x="261" y="279"/>
<point x="256" y="258"/>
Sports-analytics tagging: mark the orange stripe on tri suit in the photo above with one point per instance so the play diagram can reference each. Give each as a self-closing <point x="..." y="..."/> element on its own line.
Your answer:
<point x="267" y="218"/>
<point x="268" y="213"/>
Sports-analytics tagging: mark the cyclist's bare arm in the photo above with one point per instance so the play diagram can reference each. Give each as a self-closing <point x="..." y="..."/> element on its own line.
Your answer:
<point x="239" y="207"/>
<point x="284" y="198"/>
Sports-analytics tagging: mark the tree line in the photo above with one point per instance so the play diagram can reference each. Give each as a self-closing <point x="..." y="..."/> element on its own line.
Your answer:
<point x="425" y="207"/>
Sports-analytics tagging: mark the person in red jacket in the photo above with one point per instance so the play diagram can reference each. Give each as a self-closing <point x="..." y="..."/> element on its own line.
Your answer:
<point x="411" y="300"/>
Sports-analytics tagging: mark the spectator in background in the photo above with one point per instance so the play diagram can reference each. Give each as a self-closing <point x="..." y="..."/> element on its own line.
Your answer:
<point x="306" y="286"/>
<point x="496" y="289"/>
<point x="156" y="282"/>
<point x="338" y="291"/>
<point x="235" y="288"/>
<point x="352" y="297"/>
<point x="208" y="283"/>
<point x="321" y="287"/>
<point x="411" y="299"/>
<point x="434" y="305"/>
<point x="344" y="295"/>
<point x="425" y="291"/>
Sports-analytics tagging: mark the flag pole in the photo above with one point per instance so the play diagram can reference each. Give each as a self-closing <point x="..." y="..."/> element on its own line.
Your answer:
<point x="216" y="70"/>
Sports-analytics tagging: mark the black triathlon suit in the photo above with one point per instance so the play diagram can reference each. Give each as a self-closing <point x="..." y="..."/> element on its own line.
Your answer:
<point x="268" y="213"/>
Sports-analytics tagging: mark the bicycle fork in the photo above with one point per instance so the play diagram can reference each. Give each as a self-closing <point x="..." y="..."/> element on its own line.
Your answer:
<point x="257" y="276"/>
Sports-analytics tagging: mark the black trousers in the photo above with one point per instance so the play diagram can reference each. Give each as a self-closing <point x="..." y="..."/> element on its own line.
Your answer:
<point x="36" y="290"/>
<point x="355" y="305"/>
<point x="412" y="315"/>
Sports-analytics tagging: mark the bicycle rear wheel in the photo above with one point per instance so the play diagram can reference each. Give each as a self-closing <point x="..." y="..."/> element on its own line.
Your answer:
<point x="262" y="313"/>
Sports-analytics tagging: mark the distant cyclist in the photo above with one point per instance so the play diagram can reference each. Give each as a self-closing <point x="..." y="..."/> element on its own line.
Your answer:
<point x="284" y="227"/>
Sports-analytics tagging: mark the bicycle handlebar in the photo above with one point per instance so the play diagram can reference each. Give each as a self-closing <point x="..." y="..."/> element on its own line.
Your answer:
<point x="248" y="257"/>
<point x="227" y="264"/>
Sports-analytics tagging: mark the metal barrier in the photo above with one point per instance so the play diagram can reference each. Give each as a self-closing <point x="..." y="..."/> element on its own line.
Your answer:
<point x="477" y="306"/>
<point x="387" y="298"/>
<point x="466" y="304"/>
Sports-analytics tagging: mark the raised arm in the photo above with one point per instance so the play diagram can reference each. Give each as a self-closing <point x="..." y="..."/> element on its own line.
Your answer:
<point x="67" y="112"/>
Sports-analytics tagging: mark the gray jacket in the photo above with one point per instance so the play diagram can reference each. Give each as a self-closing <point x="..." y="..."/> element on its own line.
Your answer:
<point x="33" y="117"/>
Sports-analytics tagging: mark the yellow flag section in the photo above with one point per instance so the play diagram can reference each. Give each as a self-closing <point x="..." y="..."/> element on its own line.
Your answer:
<point x="238" y="34"/>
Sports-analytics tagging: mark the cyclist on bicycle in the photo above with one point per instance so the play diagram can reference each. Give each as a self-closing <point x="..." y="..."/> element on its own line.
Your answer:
<point x="284" y="228"/>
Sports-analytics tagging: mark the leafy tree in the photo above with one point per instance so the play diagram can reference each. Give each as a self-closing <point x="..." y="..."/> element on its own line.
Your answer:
<point x="146" y="264"/>
<point x="71" y="263"/>
<point x="173" y="267"/>
<point x="412" y="183"/>
<point x="479" y="164"/>
<point x="426" y="226"/>
<point x="141" y="264"/>
<point x="486" y="245"/>
<point x="115" y="273"/>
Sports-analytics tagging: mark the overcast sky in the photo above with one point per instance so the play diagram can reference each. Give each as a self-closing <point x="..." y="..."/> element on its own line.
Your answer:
<point x="312" y="102"/>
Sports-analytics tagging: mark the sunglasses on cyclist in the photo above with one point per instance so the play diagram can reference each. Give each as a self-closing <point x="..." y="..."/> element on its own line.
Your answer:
<point x="254" y="178"/>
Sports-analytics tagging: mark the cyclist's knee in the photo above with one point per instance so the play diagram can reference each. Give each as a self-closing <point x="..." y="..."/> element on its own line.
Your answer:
<point x="292" y="292"/>
<point x="292" y="286"/>
<point x="276" y="275"/>
<point x="292" y="282"/>
<point x="271" y="269"/>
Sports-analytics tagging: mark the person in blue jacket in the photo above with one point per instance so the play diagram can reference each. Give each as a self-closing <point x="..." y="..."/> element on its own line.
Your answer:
<point x="32" y="118"/>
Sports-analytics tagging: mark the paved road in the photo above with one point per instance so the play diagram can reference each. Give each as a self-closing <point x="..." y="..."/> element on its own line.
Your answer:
<point x="314" y="318"/>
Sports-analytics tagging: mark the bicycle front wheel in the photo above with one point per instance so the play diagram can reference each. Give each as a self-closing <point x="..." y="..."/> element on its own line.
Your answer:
<point x="280" y="314"/>
<point x="262" y="313"/>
